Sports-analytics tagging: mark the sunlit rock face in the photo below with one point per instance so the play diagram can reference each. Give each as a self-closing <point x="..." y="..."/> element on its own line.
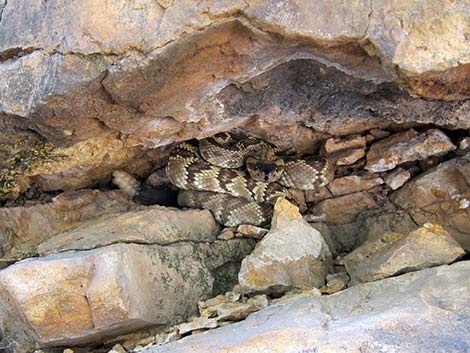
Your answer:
<point x="148" y="74"/>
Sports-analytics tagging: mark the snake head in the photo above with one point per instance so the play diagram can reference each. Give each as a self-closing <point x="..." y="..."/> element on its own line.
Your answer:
<point x="267" y="171"/>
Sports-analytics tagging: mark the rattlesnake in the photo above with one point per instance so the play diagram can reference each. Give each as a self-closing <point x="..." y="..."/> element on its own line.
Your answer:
<point x="210" y="176"/>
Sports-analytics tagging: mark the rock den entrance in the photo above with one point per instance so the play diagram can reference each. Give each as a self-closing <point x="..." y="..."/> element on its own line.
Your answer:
<point x="83" y="263"/>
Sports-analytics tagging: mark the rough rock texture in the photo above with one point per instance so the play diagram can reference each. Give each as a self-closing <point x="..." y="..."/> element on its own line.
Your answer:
<point x="22" y="229"/>
<point x="426" y="311"/>
<point x="107" y="291"/>
<point x="396" y="178"/>
<point x="292" y="254"/>
<point x="407" y="146"/>
<point x="104" y="80"/>
<point x="151" y="225"/>
<point x="353" y="183"/>
<point x="441" y="195"/>
<point x="396" y="253"/>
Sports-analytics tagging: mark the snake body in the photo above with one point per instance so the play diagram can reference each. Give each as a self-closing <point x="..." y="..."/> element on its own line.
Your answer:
<point x="208" y="177"/>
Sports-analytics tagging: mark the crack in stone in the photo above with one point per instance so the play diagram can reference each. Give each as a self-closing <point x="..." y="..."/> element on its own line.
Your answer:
<point x="3" y="9"/>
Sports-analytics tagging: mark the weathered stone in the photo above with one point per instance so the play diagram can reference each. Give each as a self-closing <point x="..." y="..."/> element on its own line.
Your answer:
<point x="22" y="229"/>
<point x="401" y="314"/>
<point x="335" y="282"/>
<point x="344" y="209"/>
<point x="226" y="234"/>
<point x="395" y="253"/>
<point x="292" y="254"/>
<point x="397" y="178"/>
<point x="196" y="324"/>
<point x="320" y="194"/>
<point x="114" y="289"/>
<point x="151" y="225"/>
<point x="440" y="196"/>
<point x="353" y="183"/>
<point x="407" y="146"/>
<point x="338" y="144"/>
<point x="250" y="231"/>
<point x="379" y="134"/>
<point x="348" y="157"/>
<point x="233" y="311"/>
<point x="464" y="144"/>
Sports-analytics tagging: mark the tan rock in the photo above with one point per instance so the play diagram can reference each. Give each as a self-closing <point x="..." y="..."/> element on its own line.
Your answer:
<point x="345" y="209"/>
<point x="151" y="225"/>
<point x="317" y="195"/>
<point x="348" y="157"/>
<point x="353" y="183"/>
<point x="22" y="229"/>
<point x="395" y="253"/>
<point x="344" y="322"/>
<point x="114" y="289"/>
<point x="250" y="231"/>
<point x="440" y="196"/>
<point x="335" y="282"/>
<point x="407" y="146"/>
<point x="379" y="133"/>
<point x="335" y="144"/>
<point x="397" y="178"/>
<point x="292" y="254"/>
<point x="233" y="311"/>
<point x="226" y="234"/>
<point x="196" y="324"/>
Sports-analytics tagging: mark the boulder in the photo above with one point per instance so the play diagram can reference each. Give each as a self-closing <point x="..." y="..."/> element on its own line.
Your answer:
<point x="150" y="225"/>
<point x="441" y="196"/>
<point x="425" y="311"/>
<point x="292" y="254"/>
<point x="353" y="183"/>
<point x="407" y="146"/>
<point x="395" y="253"/>
<point x="22" y="229"/>
<point x="80" y="297"/>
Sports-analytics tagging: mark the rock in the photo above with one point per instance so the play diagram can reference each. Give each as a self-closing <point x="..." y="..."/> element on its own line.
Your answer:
<point x="226" y="234"/>
<point x="292" y="254"/>
<point x="464" y="143"/>
<point x="397" y="178"/>
<point x="117" y="348"/>
<point x="335" y="282"/>
<point x="166" y="337"/>
<point x="395" y="253"/>
<point x="348" y="157"/>
<point x="196" y="324"/>
<point x="369" y="317"/>
<point x="438" y="196"/>
<point x="110" y="290"/>
<point x="233" y="311"/>
<point x="379" y="134"/>
<point x="339" y="144"/>
<point x="353" y="183"/>
<point x="22" y="229"/>
<point x="250" y="231"/>
<point x="407" y="146"/>
<point x="318" y="195"/>
<point x="151" y="225"/>
<point x="345" y="209"/>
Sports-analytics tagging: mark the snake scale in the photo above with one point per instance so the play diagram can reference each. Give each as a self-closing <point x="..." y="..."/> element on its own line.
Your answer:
<point x="238" y="180"/>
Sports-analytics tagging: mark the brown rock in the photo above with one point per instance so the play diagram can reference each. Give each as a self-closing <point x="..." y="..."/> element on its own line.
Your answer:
<point x="335" y="282"/>
<point x="114" y="289"/>
<point x="395" y="253"/>
<point x="348" y="157"/>
<point x="317" y="195"/>
<point x="22" y="229"/>
<point x="338" y="144"/>
<point x="151" y="225"/>
<point x="250" y="231"/>
<point x="344" y="209"/>
<point x="353" y="183"/>
<point x="397" y="178"/>
<point x="292" y="254"/>
<point x="440" y="196"/>
<point x="233" y="311"/>
<point x="407" y="146"/>
<point x="379" y="134"/>
<point x="196" y="324"/>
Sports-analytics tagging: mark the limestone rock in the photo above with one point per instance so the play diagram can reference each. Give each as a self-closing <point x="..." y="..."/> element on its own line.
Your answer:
<point x="395" y="253"/>
<point x="345" y="209"/>
<point x="407" y="146"/>
<point x="151" y="225"/>
<point x="235" y="311"/>
<point x="292" y="254"/>
<point x="339" y="144"/>
<point x="353" y="183"/>
<point x="251" y="231"/>
<point x="196" y="324"/>
<point x="22" y="229"/>
<point x="348" y="157"/>
<point x="370" y="317"/>
<point x="335" y="282"/>
<point x="80" y="297"/>
<point x="397" y="178"/>
<point x="440" y="196"/>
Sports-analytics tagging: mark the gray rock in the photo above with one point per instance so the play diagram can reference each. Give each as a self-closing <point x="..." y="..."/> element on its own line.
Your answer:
<point x="292" y="254"/>
<point x="150" y="225"/>
<point x="426" y="311"/>
<point x="395" y="253"/>
<point x="397" y="178"/>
